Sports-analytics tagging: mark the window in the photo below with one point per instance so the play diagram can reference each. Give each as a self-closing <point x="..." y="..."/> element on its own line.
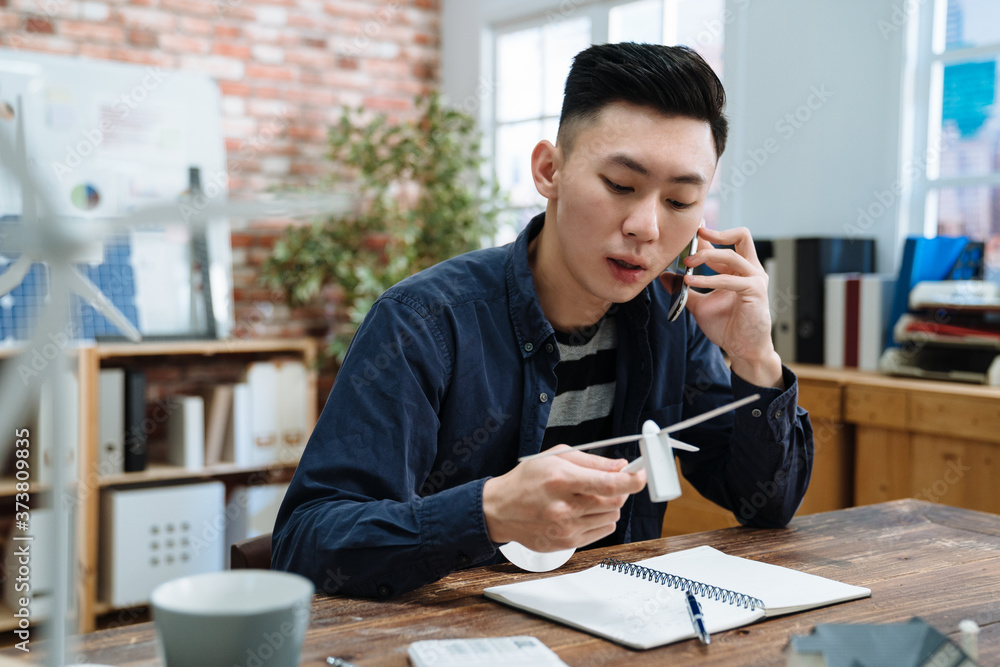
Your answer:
<point x="532" y="65"/>
<point x="962" y="185"/>
<point x="532" y="58"/>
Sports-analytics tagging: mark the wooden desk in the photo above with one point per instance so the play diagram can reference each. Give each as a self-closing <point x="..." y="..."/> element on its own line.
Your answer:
<point x="938" y="562"/>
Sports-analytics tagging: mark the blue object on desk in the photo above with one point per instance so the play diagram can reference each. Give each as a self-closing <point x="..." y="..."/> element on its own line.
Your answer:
<point x="923" y="259"/>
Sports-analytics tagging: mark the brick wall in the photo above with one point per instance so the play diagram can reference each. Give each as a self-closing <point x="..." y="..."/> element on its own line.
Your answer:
<point x="285" y="68"/>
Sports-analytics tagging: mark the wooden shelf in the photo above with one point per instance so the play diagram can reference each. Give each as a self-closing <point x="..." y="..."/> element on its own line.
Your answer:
<point x="163" y="473"/>
<point x="207" y="348"/>
<point x="8" y="622"/>
<point x="10" y="351"/>
<point x="8" y="487"/>
<point x="88" y="360"/>
<point x="101" y="608"/>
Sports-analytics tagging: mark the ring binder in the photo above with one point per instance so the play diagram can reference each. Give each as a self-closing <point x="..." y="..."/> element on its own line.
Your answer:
<point x="681" y="583"/>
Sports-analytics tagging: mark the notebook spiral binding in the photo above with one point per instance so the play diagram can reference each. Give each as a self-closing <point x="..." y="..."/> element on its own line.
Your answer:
<point x="681" y="583"/>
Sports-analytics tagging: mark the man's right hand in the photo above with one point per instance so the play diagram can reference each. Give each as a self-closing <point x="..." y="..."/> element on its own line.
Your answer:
<point x="558" y="502"/>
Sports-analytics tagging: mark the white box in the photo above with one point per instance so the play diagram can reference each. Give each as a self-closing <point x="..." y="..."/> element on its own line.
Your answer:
<point x="152" y="535"/>
<point x="252" y="510"/>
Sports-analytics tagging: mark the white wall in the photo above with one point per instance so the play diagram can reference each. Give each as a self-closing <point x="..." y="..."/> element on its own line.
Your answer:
<point x="815" y="95"/>
<point x="461" y="35"/>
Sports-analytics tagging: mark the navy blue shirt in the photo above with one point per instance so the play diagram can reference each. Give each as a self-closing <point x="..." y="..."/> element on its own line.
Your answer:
<point x="449" y="380"/>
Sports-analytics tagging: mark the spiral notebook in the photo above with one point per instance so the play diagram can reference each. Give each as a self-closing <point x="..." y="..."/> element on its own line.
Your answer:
<point x="641" y="605"/>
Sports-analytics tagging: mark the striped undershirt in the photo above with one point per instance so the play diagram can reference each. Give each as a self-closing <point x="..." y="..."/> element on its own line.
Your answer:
<point x="585" y="386"/>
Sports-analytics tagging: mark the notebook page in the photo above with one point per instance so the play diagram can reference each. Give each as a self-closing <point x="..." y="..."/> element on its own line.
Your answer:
<point x="782" y="589"/>
<point x="625" y="609"/>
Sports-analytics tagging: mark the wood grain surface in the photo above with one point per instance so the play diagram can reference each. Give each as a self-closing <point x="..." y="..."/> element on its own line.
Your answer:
<point x="919" y="559"/>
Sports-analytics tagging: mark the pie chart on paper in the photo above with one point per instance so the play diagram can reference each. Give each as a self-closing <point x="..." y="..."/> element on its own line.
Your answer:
<point x="85" y="197"/>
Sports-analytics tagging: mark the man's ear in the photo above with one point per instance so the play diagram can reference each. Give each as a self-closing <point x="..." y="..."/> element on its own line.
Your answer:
<point x="546" y="160"/>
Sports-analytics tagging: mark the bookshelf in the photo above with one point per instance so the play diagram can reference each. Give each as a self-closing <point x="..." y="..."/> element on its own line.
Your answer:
<point x="188" y="354"/>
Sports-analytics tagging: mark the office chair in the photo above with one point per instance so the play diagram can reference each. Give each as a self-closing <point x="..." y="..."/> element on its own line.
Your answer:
<point x="253" y="553"/>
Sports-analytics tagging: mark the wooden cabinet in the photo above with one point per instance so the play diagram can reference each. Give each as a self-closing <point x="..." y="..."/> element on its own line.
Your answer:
<point x="198" y="358"/>
<point x="831" y="486"/>
<point x="933" y="441"/>
<point x="881" y="438"/>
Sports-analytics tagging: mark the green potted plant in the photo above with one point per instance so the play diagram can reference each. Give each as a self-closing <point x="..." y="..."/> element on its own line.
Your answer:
<point x="419" y="198"/>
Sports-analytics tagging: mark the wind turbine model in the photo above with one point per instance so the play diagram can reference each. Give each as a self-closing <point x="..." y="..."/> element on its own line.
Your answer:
<point x="44" y="236"/>
<point x="78" y="283"/>
<point x="656" y="449"/>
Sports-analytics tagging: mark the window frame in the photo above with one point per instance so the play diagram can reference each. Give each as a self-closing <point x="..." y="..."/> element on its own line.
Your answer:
<point x="525" y="17"/>
<point x="922" y="120"/>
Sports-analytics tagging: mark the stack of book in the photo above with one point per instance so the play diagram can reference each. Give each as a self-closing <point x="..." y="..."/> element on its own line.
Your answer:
<point x="952" y="332"/>
<point x="256" y="422"/>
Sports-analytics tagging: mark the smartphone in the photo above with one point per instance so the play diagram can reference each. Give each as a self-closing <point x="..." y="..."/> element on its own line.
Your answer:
<point x="672" y="279"/>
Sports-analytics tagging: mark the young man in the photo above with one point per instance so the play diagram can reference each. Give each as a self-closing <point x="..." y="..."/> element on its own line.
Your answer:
<point x="560" y="338"/>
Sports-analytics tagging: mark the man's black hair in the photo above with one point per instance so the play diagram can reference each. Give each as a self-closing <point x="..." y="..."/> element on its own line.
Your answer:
<point x="673" y="80"/>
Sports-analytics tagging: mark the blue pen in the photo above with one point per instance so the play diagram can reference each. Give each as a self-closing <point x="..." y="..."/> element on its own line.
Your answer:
<point x="697" y="619"/>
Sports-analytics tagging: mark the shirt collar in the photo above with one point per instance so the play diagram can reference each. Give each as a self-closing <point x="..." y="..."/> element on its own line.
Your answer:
<point x="530" y="324"/>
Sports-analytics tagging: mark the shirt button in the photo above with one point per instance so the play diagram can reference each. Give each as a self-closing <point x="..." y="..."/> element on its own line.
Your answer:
<point x="549" y="348"/>
<point x="777" y="414"/>
<point x="528" y="347"/>
<point x="463" y="560"/>
<point x="543" y="397"/>
<point x="383" y="591"/>
<point x="756" y="412"/>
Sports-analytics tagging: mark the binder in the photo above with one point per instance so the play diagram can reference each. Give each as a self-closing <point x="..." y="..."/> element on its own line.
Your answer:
<point x="262" y="378"/>
<point x="44" y="456"/>
<point x="856" y="314"/>
<point x="239" y="446"/>
<point x="781" y="295"/>
<point x="218" y="405"/>
<point x="801" y="266"/>
<point x="292" y="427"/>
<point x="111" y="421"/>
<point x="873" y="320"/>
<point x="835" y="319"/>
<point x="136" y="453"/>
<point x="277" y="393"/>
<point x="186" y="432"/>
<point x="642" y="605"/>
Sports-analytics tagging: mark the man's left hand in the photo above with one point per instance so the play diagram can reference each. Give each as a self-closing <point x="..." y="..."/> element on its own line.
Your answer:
<point x="735" y="315"/>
